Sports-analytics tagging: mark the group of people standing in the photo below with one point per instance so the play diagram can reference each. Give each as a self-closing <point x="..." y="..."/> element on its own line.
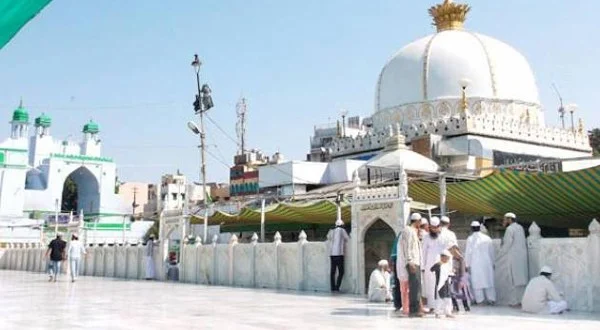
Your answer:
<point x="432" y="274"/>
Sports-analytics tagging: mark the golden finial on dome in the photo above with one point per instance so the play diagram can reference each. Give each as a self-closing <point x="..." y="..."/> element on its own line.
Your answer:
<point x="449" y="15"/>
<point x="580" y="127"/>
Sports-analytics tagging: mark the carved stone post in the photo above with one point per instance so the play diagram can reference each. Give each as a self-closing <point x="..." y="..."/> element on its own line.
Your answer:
<point x="233" y="241"/>
<point x="277" y="242"/>
<point x="302" y="266"/>
<point x="534" y="249"/>
<point x="254" y="243"/>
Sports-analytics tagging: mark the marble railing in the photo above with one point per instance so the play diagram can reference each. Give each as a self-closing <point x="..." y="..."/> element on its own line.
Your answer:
<point x="300" y="265"/>
<point x="304" y="265"/>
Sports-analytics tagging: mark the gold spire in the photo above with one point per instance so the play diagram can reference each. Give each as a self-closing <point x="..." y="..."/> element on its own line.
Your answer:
<point x="580" y="127"/>
<point x="449" y="15"/>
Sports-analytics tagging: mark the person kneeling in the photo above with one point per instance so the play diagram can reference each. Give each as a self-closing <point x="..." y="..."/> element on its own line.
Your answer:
<point x="379" y="283"/>
<point x="443" y="271"/>
<point x="541" y="295"/>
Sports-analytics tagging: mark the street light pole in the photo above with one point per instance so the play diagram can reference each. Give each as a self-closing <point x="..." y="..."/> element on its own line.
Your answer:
<point x="202" y="104"/>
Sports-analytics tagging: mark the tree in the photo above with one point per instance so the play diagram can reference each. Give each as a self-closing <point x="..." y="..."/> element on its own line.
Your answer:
<point x="69" y="196"/>
<point x="595" y="140"/>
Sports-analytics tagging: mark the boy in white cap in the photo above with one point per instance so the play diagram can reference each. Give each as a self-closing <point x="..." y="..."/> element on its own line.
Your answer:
<point x="513" y="255"/>
<point x="338" y="238"/>
<point x="479" y="260"/>
<point x="443" y="270"/>
<point x="379" y="283"/>
<point x="541" y="295"/>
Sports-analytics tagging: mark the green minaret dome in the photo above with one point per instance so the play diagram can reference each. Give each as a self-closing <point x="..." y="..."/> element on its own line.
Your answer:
<point x="91" y="127"/>
<point x="43" y="121"/>
<point x="20" y="115"/>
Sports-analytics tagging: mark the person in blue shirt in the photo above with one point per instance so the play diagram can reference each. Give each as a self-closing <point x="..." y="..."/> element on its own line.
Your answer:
<point x="397" y="297"/>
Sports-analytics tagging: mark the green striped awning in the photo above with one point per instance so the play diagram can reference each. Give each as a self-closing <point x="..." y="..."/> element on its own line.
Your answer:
<point x="320" y="212"/>
<point x="563" y="198"/>
<point x="14" y="14"/>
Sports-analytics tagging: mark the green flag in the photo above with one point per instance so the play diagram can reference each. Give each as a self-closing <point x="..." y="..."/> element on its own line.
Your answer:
<point x="14" y="14"/>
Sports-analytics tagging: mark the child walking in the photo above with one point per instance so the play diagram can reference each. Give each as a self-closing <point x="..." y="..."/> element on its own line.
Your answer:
<point x="443" y="271"/>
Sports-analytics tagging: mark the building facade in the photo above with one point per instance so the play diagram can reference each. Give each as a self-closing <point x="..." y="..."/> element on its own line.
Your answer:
<point x="464" y="99"/>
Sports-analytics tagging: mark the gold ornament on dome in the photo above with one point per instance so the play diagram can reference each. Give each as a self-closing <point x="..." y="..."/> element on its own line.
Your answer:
<point x="449" y="15"/>
<point x="580" y="127"/>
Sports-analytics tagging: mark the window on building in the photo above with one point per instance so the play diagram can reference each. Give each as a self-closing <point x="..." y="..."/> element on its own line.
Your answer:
<point x="174" y="196"/>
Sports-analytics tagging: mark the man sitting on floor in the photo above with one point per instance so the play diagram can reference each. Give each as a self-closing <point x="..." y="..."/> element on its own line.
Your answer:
<point x="379" y="283"/>
<point x="541" y="295"/>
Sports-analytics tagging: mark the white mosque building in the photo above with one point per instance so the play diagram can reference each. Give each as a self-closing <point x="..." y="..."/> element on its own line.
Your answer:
<point x="33" y="171"/>
<point x="466" y="100"/>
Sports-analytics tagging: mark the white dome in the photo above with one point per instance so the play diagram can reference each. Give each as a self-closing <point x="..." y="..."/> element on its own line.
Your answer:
<point x="432" y="68"/>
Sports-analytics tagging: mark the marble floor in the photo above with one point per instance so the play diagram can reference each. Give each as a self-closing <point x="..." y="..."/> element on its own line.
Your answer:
<point x="28" y="301"/>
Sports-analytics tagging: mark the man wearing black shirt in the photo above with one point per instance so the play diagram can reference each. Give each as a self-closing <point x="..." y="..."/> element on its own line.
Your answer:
<point x="56" y="251"/>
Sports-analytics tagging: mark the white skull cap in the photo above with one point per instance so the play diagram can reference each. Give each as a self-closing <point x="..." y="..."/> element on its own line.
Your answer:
<point x="415" y="217"/>
<point x="510" y="215"/>
<point x="445" y="219"/>
<point x="435" y="221"/>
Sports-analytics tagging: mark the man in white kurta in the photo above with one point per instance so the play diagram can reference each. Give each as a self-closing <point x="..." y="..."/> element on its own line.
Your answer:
<point x="379" y="283"/>
<point x="149" y="259"/>
<point x="433" y="246"/>
<point x="541" y="295"/>
<point x="513" y="256"/>
<point x="479" y="260"/>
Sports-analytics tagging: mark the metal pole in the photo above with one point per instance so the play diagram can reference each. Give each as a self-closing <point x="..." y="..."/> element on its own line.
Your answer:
<point x="442" y="183"/>
<point x="56" y="217"/>
<point x="123" y="229"/>
<point x="262" y="221"/>
<point x="202" y="154"/>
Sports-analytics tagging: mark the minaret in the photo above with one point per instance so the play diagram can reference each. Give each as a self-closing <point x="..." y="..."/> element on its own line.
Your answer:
<point x="20" y="122"/>
<point x="91" y="140"/>
<point x="41" y="144"/>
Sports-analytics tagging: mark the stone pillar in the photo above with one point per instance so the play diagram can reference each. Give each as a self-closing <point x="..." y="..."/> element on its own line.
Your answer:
<point x="277" y="242"/>
<point x="593" y="261"/>
<point x="301" y="267"/>
<point x="233" y="241"/>
<point x="404" y="208"/>
<point x="534" y="249"/>
<point x="442" y="183"/>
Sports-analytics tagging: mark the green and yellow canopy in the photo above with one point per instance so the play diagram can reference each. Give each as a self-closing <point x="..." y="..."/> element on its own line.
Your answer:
<point x="563" y="199"/>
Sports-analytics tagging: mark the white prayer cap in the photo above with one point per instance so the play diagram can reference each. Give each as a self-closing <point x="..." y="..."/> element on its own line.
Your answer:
<point x="424" y="221"/>
<point x="415" y="217"/>
<point x="445" y="219"/>
<point x="546" y="269"/>
<point x="510" y="215"/>
<point x="475" y="224"/>
<point x="435" y="221"/>
<point x="446" y="253"/>
<point x="382" y="263"/>
<point x="339" y="223"/>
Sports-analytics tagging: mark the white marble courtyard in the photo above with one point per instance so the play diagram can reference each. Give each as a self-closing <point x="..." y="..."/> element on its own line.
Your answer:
<point x="28" y="301"/>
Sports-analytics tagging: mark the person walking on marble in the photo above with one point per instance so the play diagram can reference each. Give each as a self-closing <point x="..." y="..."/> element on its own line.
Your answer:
<point x="411" y="255"/>
<point x="513" y="256"/>
<point x="56" y="252"/>
<point x="442" y="271"/>
<point x="149" y="258"/>
<point x="541" y="295"/>
<point x="338" y="238"/>
<point x="74" y="253"/>
<point x="479" y="262"/>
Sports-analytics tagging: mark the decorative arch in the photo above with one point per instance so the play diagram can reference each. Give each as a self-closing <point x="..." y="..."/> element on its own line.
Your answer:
<point x="88" y="190"/>
<point x="378" y="239"/>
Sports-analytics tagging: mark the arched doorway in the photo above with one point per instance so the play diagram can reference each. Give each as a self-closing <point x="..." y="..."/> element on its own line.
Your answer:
<point x="378" y="242"/>
<point x="81" y="192"/>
